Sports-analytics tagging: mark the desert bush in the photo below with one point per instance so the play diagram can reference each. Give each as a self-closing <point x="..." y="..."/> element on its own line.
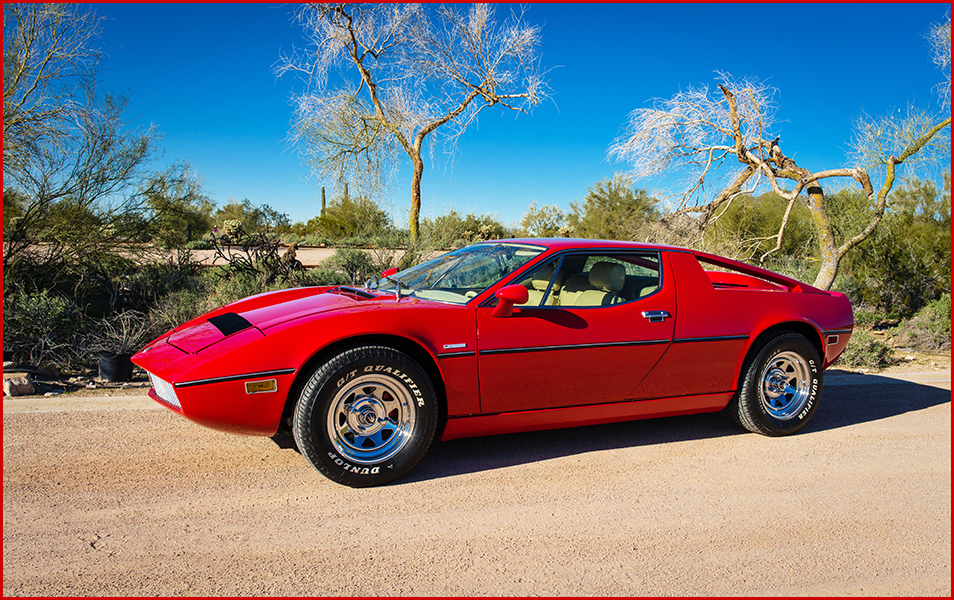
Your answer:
<point x="451" y="231"/>
<point x="351" y="216"/>
<point x="198" y="245"/>
<point x="43" y="328"/>
<point x="181" y="305"/>
<point x="614" y="210"/>
<point x="356" y="264"/>
<point x="141" y="289"/>
<point x="292" y="238"/>
<point x="321" y="276"/>
<point x="929" y="329"/>
<point x="352" y="242"/>
<point x="125" y="332"/>
<point x="237" y="285"/>
<point x="866" y="318"/>
<point x="542" y="221"/>
<point x="317" y="240"/>
<point x="906" y="263"/>
<point x="249" y="218"/>
<point x="865" y="350"/>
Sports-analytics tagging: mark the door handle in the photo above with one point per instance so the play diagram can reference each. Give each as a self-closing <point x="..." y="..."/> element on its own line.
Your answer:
<point x="655" y="316"/>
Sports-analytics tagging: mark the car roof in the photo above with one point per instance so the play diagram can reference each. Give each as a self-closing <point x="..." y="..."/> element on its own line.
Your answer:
<point x="561" y="243"/>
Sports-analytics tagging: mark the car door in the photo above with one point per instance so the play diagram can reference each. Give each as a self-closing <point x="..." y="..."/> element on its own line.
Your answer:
<point x="599" y="322"/>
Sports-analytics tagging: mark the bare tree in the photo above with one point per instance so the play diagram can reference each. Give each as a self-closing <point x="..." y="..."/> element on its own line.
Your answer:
<point x="408" y="74"/>
<point x="698" y="131"/>
<point x="46" y="60"/>
<point x="67" y="151"/>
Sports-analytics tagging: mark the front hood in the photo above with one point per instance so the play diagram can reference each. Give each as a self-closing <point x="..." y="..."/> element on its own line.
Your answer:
<point x="288" y="305"/>
<point x="259" y="313"/>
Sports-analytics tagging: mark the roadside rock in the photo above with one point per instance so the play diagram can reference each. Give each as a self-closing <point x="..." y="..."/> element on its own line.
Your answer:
<point x="18" y="384"/>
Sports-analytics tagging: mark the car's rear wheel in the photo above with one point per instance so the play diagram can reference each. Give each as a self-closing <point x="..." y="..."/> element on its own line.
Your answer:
<point x="366" y="416"/>
<point x="781" y="386"/>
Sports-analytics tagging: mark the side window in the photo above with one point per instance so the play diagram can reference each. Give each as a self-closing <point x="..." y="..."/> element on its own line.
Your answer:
<point x="608" y="279"/>
<point x="541" y="287"/>
<point x="587" y="280"/>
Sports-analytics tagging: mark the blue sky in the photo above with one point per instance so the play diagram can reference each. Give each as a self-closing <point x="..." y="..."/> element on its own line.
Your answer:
<point x="203" y="74"/>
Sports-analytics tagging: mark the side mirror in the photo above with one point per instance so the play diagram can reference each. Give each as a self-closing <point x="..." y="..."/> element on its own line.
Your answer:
<point x="389" y="272"/>
<point x="508" y="296"/>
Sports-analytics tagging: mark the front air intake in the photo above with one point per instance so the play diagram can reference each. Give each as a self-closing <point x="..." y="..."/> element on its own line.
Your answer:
<point x="165" y="392"/>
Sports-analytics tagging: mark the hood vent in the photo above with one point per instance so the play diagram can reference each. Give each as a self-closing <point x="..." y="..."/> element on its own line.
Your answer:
<point x="229" y="323"/>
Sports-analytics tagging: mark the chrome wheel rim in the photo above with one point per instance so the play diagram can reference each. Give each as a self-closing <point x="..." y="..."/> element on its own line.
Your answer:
<point x="371" y="419"/>
<point x="785" y="385"/>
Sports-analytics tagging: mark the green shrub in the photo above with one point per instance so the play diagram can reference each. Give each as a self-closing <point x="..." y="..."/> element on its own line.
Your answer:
<point x="930" y="329"/>
<point x="241" y="284"/>
<point x="143" y="288"/>
<point x="864" y="350"/>
<point x="198" y="245"/>
<point x="352" y="242"/>
<point x="316" y="240"/>
<point x="906" y="262"/>
<point x="325" y="277"/>
<point x="180" y="306"/>
<point x="43" y="328"/>
<point x="292" y="238"/>
<point x="866" y="318"/>
<point x="355" y="264"/>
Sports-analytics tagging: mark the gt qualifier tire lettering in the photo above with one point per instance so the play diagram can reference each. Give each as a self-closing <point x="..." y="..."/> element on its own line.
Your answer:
<point x="366" y="416"/>
<point x="410" y="382"/>
<point x="346" y="378"/>
<point x="780" y="387"/>
<point x="812" y="394"/>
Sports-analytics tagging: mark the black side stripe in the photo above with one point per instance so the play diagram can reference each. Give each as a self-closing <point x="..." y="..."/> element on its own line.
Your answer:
<point x="234" y="377"/>
<point x="716" y="338"/>
<point x="571" y="347"/>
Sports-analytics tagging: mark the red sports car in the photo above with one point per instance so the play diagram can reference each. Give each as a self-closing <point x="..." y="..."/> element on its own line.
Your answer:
<point x="501" y="337"/>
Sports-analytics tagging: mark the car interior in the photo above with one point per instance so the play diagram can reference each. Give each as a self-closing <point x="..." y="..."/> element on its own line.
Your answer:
<point x="585" y="280"/>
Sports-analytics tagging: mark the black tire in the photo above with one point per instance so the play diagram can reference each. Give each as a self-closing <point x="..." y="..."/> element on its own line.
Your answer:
<point x="780" y="388"/>
<point x="366" y="416"/>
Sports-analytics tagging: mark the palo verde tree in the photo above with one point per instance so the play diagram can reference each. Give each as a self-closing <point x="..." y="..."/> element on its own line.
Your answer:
<point x="383" y="79"/>
<point x="69" y="157"/>
<point x="698" y="131"/>
<point x="613" y="209"/>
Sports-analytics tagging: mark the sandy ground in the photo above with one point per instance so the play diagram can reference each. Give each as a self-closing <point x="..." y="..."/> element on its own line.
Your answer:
<point x="119" y="496"/>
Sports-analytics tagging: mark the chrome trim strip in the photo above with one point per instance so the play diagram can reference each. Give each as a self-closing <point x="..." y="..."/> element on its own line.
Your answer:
<point x="837" y="331"/>
<point x="571" y="347"/>
<point x="456" y="354"/>
<point x="233" y="378"/>
<point x="715" y="338"/>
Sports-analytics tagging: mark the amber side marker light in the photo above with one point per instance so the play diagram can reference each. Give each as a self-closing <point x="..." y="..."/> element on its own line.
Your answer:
<point x="261" y="387"/>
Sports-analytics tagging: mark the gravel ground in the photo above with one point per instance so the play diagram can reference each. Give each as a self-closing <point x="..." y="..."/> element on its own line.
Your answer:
<point x="118" y="496"/>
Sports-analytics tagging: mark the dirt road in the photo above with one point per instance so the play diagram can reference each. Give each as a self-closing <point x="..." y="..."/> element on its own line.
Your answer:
<point x="118" y="496"/>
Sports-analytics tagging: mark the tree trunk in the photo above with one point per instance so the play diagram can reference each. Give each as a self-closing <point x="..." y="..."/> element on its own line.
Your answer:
<point x="416" y="196"/>
<point x="826" y="239"/>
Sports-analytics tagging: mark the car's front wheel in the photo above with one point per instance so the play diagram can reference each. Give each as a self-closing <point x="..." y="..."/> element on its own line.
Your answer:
<point x="366" y="416"/>
<point x="781" y="386"/>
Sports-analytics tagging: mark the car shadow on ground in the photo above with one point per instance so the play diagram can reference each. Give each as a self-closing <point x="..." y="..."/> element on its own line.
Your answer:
<point x="841" y="406"/>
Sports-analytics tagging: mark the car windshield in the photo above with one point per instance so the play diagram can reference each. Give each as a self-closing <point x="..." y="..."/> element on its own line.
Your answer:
<point x="462" y="274"/>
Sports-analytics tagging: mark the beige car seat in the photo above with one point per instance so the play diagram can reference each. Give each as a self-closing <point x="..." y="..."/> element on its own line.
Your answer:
<point x="601" y="287"/>
<point x="538" y="287"/>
